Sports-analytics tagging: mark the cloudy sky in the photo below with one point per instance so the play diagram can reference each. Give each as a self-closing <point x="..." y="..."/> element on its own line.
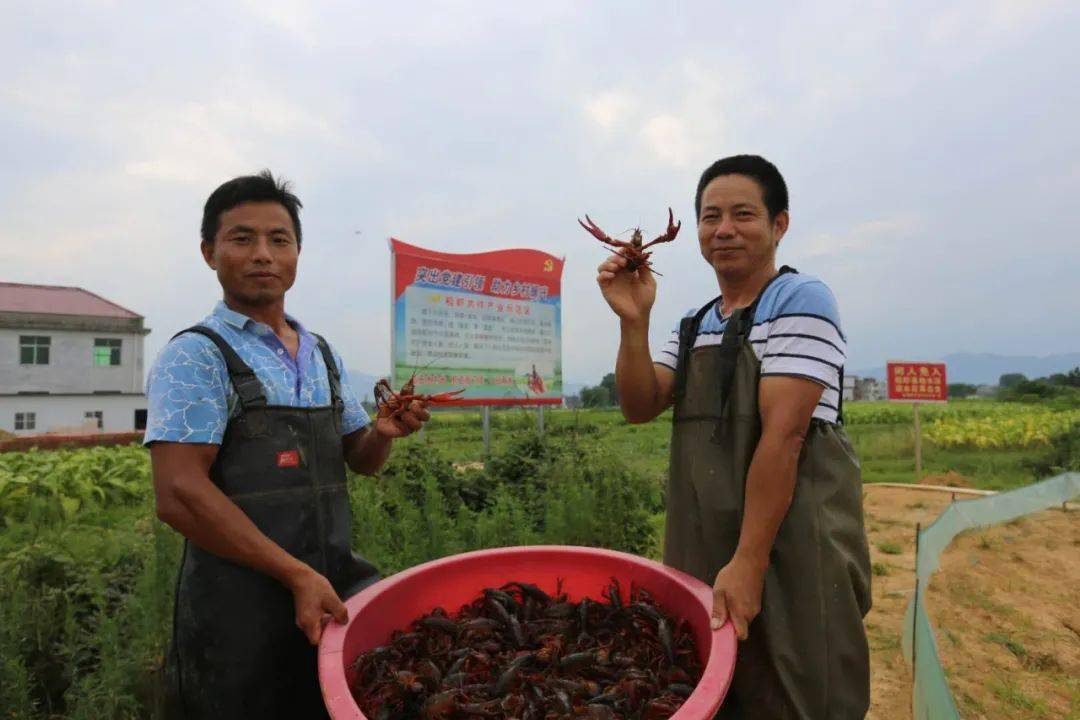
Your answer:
<point x="931" y="150"/>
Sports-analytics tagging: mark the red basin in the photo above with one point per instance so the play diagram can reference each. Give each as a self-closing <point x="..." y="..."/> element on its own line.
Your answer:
<point x="451" y="582"/>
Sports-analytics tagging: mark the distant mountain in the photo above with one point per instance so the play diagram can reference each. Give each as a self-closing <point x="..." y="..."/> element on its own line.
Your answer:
<point x="986" y="368"/>
<point x="361" y="383"/>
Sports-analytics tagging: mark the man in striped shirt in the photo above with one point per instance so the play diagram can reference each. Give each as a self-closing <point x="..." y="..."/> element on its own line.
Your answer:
<point x="764" y="494"/>
<point x="796" y="333"/>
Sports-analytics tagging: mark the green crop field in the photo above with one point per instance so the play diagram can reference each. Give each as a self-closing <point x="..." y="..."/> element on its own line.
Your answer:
<point x="86" y="571"/>
<point x="1023" y="439"/>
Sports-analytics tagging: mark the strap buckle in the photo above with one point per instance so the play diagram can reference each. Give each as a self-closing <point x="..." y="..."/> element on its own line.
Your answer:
<point x="249" y="389"/>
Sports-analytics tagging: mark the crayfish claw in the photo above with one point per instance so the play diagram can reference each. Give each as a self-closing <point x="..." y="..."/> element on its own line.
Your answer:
<point x="672" y="230"/>
<point x="444" y="396"/>
<point x="594" y="230"/>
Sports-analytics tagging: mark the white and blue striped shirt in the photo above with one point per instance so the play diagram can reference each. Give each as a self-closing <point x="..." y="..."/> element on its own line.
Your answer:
<point x="796" y="333"/>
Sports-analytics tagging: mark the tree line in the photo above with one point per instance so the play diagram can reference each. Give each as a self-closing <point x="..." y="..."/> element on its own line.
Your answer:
<point x="1011" y="386"/>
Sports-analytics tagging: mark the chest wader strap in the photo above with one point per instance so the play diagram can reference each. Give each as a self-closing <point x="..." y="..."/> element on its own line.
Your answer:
<point x="243" y="378"/>
<point x="840" y="399"/>
<point x="334" y="378"/>
<point x="735" y="333"/>
<point x="688" y="330"/>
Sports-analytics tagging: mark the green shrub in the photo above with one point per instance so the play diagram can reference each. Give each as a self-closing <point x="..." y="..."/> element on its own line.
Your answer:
<point x="86" y="612"/>
<point x="551" y="489"/>
<point x="889" y="547"/>
<point x="54" y="486"/>
<point x="86" y="587"/>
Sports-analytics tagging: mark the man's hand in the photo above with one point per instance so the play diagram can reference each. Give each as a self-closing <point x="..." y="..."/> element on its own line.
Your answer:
<point x="411" y="420"/>
<point x="316" y="603"/>
<point x="737" y="594"/>
<point x="630" y="294"/>
<point x="644" y="389"/>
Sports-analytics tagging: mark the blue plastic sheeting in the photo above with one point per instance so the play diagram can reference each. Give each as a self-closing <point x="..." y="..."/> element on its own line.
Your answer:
<point x="931" y="697"/>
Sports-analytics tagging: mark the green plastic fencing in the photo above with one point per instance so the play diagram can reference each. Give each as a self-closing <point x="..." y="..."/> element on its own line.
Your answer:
<point x="931" y="697"/>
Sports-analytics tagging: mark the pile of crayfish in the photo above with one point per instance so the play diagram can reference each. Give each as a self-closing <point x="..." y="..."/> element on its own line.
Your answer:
<point x="517" y="652"/>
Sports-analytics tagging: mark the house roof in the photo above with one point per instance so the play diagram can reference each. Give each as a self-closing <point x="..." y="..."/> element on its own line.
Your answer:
<point x="58" y="300"/>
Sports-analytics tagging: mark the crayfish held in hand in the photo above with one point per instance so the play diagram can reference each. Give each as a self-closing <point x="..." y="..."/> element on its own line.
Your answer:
<point x="635" y="250"/>
<point x="518" y="652"/>
<point x="393" y="404"/>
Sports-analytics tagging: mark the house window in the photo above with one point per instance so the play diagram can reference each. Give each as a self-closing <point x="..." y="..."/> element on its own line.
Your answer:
<point x="106" y="351"/>
<point x="25" y="421"/>
<point x="34" y="349"/>
<point x="98" y="416"/>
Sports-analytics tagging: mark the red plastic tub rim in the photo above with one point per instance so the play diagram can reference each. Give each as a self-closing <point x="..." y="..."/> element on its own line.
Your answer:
<point x="457" y="569"/>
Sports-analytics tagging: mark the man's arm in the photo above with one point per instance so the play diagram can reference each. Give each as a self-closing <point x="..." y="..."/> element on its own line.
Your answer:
<point x="786" y="405"/>
<point x="191" y="503"/>
<point x="644" y="388"/>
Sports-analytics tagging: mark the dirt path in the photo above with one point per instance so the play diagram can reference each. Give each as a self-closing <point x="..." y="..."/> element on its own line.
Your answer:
<point x="1006" y="606"/>
<point x="1001" y="603"/>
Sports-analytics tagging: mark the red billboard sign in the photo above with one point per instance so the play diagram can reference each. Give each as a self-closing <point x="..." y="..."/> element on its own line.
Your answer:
<point x="488" y="322"/>
<point x="917" y="382"/>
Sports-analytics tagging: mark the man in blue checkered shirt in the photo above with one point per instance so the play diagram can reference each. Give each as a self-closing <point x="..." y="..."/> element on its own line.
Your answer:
<point x="251" y="425"/>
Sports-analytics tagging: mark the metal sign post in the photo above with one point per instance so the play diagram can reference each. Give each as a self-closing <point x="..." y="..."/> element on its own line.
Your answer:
<point x="918" y="444"/>
<point x="486" y="415"/>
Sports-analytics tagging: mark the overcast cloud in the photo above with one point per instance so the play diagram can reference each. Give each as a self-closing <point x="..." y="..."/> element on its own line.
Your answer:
<point x="931" y="152"/>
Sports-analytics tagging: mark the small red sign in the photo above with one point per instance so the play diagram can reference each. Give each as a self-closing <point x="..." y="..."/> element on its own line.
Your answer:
<point x="917" y="382"/>
<point x="288" y="458"/>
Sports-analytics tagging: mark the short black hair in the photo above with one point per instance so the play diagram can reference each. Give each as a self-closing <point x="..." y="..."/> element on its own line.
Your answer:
<point x="263" y="187"/>
<point x="763" y="172"/>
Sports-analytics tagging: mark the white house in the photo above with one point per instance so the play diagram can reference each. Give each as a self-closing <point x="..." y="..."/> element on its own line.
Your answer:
<point x="70" y="361"/>
<point x="848" y="391"/>
<point x="863" y="388"/>
<point x="868" y="388"/>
